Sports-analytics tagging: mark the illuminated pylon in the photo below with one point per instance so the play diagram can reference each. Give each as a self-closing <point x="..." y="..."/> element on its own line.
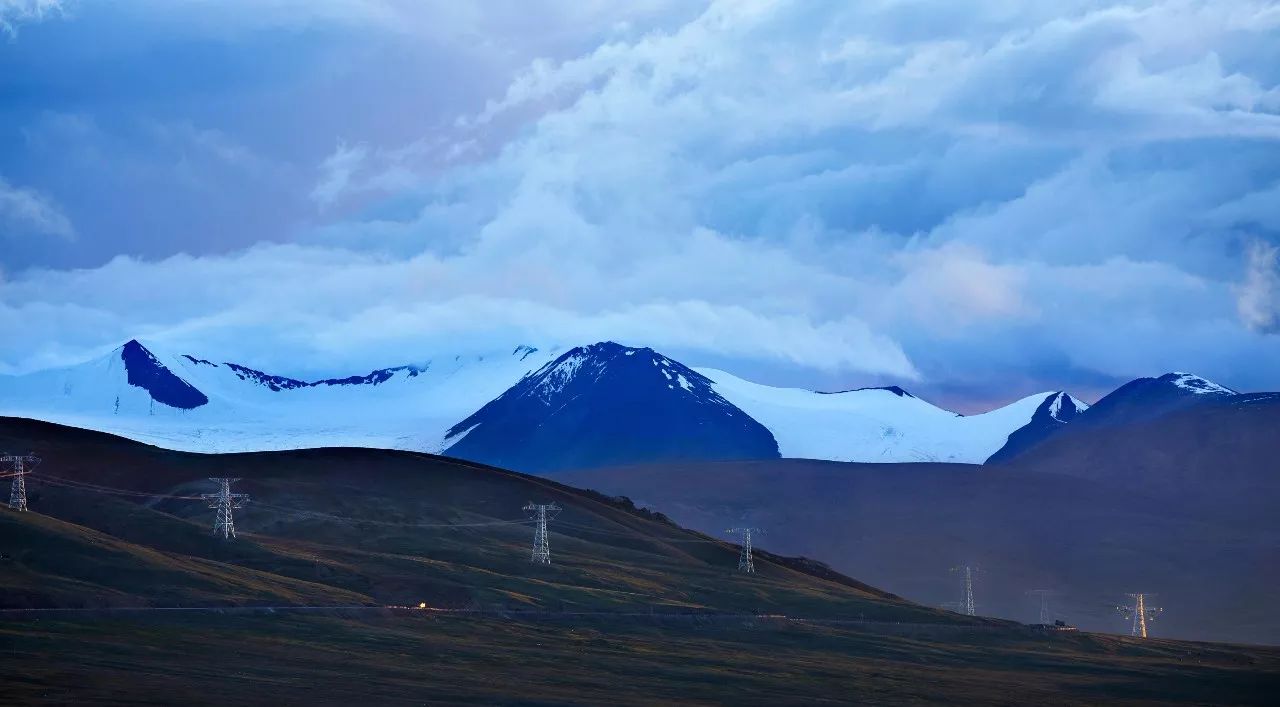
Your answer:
<point x="745" y="563"/>
<point x="970" y="608"/>
<point x="1139" y="613"/>
<point x="1044" y="602"/>
<point x="224" y="501"/>
<point x="19" y="465"/>
<point x="541" y="543"/>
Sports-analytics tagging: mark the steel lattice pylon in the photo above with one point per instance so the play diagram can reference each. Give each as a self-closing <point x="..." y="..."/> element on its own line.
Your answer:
<point x="970" y="608"/>
<point x="19" y="465"/>
<point x="224" y="501"/>
<point x="541" y="543"/>
<point x="1139" y="613"/>
<point x="1044" y="595"/>
<point x="745" y="561"/>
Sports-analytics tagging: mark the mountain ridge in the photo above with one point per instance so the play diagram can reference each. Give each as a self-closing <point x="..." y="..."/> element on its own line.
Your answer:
<point x="193" y="403"/>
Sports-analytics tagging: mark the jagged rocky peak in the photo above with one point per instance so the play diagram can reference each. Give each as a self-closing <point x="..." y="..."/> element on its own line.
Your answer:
<point x="1063" y="408"/>
<point x="145" y="371"/>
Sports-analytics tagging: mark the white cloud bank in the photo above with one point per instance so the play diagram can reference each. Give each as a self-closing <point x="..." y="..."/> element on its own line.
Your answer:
<point x="962" y="193"/>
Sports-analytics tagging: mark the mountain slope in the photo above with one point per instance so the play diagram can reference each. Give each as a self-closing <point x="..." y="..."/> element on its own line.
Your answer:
<point x="364" y="526"/>
<point x="1213" y="561"/>
<point x="1050" y="418"/>
<point x="1225" y="447"/>
<point x="1146" y="398"/>
<point x="608" y="404"/>
<point x="1136" y="402"/>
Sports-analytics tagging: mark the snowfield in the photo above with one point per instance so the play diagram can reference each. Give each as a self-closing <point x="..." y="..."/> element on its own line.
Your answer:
<point x="412" y="407"/>
<point x="874" y="424"/>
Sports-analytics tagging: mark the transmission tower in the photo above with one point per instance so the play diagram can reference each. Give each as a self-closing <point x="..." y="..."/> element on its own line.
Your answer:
<point x="225" y="501"/>
<point x="1139" y="613"/>
<point x="541" y="543"/>
<point x="745" y="563"/>
<point x="1044" y="595"/>
<point x="19" y="465"/>
<point x="970" y="608"/>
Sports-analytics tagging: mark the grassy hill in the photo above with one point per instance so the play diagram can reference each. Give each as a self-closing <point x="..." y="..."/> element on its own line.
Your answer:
<point x="368" y="528"/>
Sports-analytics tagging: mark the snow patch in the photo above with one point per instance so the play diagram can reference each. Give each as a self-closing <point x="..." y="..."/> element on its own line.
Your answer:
<point x="1199" y="385"/>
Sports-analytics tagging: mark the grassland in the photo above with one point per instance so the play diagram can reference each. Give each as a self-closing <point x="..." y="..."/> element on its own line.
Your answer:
<point x="368" y="528"/>
<point x="432" y="660"/>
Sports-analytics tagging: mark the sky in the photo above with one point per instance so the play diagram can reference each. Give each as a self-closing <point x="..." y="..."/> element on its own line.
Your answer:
<point x="974" y="199"/>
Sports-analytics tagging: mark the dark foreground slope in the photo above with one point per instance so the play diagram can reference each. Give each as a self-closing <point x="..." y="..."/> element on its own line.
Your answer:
<point x="351" y="531"/>
<point x="289" y="659"/>
<point x="345" y="526"/>
<point x="1214" y="563"/>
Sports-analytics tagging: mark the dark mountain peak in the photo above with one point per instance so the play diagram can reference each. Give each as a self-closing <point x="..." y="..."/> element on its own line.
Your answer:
<point x="1061" y="407"/>
<point x="524" y="351"/>
<point x="1050" y="417"/>
<point x="1138" y="400"/>
<point x="603" y="404"/>
<point x="624" y="366"/>
<point x="145" y="371"/>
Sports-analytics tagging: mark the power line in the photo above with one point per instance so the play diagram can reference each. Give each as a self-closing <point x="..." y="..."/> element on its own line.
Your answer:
<point x="97" y="488"/>
<point x="541" y="544"/>
<point x="224" y="501"/>
<point x="20" y="465"/>
<point x="353" y="520"/>
<point x="745" y="563"/>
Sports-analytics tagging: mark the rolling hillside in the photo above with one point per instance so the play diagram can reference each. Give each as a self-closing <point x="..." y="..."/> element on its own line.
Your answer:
<point x="666" y="616"/>
<point x="364" y="526"/>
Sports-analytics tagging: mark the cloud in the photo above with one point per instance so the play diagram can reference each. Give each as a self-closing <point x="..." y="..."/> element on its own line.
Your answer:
<point x="28" y="211"/>
<point x="16" y="12"/>
<point x="1259" y="295"/>
<point x="336" y="172"/>
<point x="351" y="309"/>
<point x="984" y="195"/>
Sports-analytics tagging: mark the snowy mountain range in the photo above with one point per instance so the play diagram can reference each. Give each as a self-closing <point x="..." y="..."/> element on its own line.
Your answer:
<point x="548" y="410"/>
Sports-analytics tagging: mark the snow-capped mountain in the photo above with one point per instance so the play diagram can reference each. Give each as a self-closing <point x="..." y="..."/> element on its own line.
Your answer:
<point x="881" y="424"/>
<point x="544" y="410"/>
<point x="1134" y="402"/>
<point x="1052" y="415"/>
<point x="1146" y="398"/>
<point x="604" y="405"/>
<point x="189" y="403"/>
